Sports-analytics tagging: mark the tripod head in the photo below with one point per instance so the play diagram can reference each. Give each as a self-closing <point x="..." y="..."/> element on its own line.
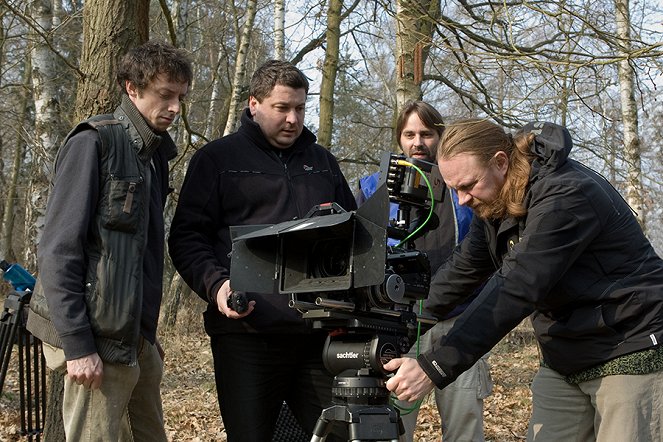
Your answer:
<point x="20" y="279"/>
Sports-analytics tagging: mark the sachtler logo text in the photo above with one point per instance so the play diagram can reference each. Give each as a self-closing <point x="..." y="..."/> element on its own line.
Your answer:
<point x="347" y="355"/>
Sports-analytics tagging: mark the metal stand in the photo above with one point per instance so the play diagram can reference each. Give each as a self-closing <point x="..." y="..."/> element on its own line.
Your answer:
<point x="361" y="403"/>
<point x="32" y="365"/>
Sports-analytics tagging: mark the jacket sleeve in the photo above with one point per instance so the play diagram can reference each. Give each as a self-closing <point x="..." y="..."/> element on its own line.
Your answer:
<point x="558" y="228"/>
<point x="469" y="266"/>
<point x="195" y="229"/>
<point x="62" y="255"/>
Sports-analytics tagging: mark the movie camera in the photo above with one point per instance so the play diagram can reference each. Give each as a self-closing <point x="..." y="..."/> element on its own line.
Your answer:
<point x="340" y="273"/>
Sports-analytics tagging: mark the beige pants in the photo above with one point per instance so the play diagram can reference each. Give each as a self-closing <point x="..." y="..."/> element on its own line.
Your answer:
<point x="460" y="403"/>
<point x="621" y="408"/>
<point x="127" y="406"/>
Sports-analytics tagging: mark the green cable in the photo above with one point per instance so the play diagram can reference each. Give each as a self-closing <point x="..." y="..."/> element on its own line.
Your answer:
<point x="430" y="195"/>
<point x="407" y="410"/>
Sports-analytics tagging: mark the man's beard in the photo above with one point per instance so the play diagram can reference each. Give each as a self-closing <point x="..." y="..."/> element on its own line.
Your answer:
<point x="492" y="210"/>
<point x="422" y="151"/>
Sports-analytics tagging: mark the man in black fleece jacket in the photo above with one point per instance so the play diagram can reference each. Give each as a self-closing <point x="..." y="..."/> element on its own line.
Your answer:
<point x="269" y="171"/>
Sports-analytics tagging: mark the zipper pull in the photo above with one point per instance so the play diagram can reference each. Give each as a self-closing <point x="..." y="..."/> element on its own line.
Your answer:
<point x="130" y="198"/>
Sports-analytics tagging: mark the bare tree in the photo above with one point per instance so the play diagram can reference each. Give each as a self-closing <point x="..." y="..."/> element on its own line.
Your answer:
<point x="632" y="153"/>
<point x="279" y="29"/>
<point x="329" y="70"/>
<point x="240" y="66"/>
<point x="7" y="251"/>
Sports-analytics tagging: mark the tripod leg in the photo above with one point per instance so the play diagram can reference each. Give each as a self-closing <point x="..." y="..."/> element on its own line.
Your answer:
<point x="321" y="429"/>
<point x="401" y="430"/>
<point x="8" y="330"/>
<point x="39" y="404"/>
<point x="23" y="366"/>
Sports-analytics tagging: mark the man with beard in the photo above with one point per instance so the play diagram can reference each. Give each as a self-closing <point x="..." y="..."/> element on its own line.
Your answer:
<point x="567" y="250"/>
<point x="419" y="127"/>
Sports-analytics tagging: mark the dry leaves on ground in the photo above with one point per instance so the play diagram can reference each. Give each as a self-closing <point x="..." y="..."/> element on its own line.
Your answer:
<point x="192" y="414"/>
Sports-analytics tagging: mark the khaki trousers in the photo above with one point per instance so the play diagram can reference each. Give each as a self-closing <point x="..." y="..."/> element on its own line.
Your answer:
<point x="460" y="404"/>
<point x="620" y="408"/>
<point x="127" y="407"/>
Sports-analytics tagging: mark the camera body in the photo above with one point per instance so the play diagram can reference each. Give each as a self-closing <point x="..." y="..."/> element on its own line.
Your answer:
<point x="341" y="257"/>
<point x="339" y="272"/>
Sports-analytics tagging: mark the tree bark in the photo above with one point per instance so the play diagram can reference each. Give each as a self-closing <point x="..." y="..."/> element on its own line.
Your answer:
<point x="110" y="28"/>
<point x="329" y="70"/>
<point x="48" y="127"/>
<point x="629" y="109"/>
<point x="240" y="66"/>
<point x="415" y="23"/>
<point x="279" y="29"/>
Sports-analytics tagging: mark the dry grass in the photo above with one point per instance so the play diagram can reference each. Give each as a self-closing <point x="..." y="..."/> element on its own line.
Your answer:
<point x="191" y="409"/>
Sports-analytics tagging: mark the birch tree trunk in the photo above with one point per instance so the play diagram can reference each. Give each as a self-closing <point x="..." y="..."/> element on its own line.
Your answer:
<point x="48" y="128"/>
<point x="44" y="147"/>
<point x="216" y="103"/>
<point x="7" y="251"/>
<point x="279" y="29"/>
<point x="2" y="60"/>
<point x="240" y="67"/>
<point x="329" y="70"/>
<point x="632" y="146"/>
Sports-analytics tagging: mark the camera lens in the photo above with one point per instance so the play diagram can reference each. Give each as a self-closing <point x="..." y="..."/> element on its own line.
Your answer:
<point x="329" y="258"/>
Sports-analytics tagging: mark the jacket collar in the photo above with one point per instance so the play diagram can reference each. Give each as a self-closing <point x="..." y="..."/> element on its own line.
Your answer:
<point x="151" y="141"/>
<point x="552" y="146"/>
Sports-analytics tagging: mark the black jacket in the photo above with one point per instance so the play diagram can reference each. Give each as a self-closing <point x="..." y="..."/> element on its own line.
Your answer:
<point x="578" y="262"/>
<point x="101" y="254"/>
<point x="241" y="179"/>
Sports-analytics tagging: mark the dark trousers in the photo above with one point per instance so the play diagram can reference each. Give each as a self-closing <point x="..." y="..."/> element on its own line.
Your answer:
<point x="255" y="373"/>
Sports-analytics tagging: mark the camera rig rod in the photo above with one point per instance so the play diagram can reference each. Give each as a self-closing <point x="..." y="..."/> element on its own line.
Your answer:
<point x="297" y="304"/>
<point x="334" y="303"/>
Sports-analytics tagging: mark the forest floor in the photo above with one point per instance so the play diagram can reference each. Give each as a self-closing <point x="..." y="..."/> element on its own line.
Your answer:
<point x="191" y="409"/>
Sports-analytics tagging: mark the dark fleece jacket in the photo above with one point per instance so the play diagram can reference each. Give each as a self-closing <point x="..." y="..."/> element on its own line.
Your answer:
<point x="578" y="262"/>
<point x="241" y="179"/>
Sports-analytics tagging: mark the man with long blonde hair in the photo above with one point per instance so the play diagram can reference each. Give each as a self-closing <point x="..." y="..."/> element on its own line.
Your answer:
<point x="566" y="249"/>
<point x="419" y="127"/>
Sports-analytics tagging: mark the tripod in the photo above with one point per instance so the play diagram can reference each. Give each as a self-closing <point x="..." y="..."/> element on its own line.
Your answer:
<point x="361" y="401"/>
<point x="356" y="349"/>
<point x="31" y="362"/>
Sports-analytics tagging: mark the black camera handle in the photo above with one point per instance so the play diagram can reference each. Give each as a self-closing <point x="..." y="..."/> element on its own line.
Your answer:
<point x="325" y="209"/>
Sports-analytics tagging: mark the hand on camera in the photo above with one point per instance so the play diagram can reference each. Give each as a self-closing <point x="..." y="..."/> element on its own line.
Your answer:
<point x="224" y="302"/>
<point x="410" y="383"/>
